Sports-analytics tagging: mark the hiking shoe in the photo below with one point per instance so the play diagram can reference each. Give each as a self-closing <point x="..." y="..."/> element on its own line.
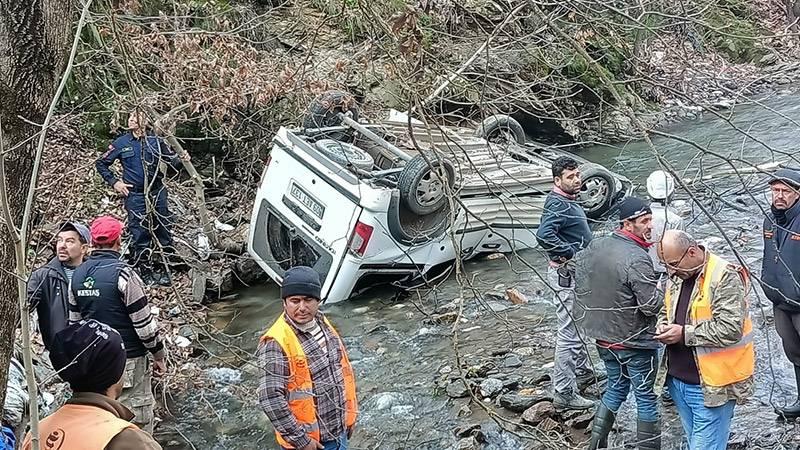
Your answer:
<point x="571" y="401"/>
<point x="588" y="378"/>
<point x="164" y="280"/>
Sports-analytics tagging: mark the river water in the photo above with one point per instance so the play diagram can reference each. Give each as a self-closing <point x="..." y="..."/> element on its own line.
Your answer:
<point x="399" y="353"/>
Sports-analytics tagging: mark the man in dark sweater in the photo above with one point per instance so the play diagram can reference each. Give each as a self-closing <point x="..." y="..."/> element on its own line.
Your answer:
<point x="106" y="289"/>
<point x="563" y="232"/>
<point x="780" y="272"/>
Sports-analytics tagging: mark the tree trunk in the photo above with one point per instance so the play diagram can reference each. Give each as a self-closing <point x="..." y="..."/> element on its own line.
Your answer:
<point x="792" y="13"/>
<point x="34" y="39"/>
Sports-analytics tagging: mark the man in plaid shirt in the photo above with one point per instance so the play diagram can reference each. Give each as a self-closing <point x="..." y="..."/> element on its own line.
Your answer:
<point x="307" y="386"/>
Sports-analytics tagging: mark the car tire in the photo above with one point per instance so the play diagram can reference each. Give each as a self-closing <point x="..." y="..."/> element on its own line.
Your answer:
<point x="501" y="128"/>
<point x="421" y="189"/>
<point x="598" y="190"/>
<point x="324" y="110"/>
<point x="345" y="154"/>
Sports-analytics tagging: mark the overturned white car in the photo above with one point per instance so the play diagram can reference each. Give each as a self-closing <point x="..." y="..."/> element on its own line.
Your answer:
<point x="393" y="202"/>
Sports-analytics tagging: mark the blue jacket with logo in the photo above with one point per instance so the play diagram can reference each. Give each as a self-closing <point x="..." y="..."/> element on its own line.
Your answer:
<point x="780" y="270"/>
<point x="139" y="158"/>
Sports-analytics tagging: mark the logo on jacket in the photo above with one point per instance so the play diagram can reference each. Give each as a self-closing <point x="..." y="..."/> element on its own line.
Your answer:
<point x="89" y="290"/>
<point x="55" y="440"/>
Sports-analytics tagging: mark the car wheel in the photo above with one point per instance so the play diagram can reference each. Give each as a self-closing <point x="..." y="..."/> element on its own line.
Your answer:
<point x="500" y="129"/>
<point x="421" y="184"/>
<point x="345" y="154"/>
<point x="597" y="191"/>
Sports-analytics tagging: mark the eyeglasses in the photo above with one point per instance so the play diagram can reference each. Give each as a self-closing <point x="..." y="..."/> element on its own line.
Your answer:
<point x="676" y="264"/>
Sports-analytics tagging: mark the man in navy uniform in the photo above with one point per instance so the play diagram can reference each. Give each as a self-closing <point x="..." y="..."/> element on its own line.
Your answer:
<point x="140" y="151"/>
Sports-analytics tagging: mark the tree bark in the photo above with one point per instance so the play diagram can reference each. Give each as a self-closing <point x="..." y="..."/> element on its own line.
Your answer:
<point x="792" y="13"/>
<point x="34" y="39"/>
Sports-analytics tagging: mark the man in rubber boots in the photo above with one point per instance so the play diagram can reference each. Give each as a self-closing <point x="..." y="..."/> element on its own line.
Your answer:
<point x="139" y="151"/>
<point x="90" y="357"/>
<point x="563" y="232"/>
<point x="780" y="270"/>
<point x="705" y="324"/>
<point x="48" y="285"/>
<point x="307" y="386"/>
<point x="617" y="304"/>
<point x="106" y="289"/>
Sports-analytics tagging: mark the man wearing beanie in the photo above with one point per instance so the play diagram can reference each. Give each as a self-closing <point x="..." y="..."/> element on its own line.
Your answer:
<point x="617" y="305"/>
<point x="48" y="285"/>
<point x="90" y="357"/>
<point x="104" y="288"/>
<point x="780" y="270"/>
<point x="307" y="386"/>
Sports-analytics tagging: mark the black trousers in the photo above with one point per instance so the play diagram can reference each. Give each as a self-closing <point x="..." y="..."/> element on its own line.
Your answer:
<point x="788" y="325"/>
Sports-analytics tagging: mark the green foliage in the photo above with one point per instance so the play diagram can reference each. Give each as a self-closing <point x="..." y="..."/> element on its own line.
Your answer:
<point x="732" y="29"/>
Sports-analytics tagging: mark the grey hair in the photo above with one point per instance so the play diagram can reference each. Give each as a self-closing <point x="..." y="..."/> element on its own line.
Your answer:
<point x="683" y="240"/>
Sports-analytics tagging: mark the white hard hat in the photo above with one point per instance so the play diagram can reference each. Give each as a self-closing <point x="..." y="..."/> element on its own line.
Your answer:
<point x="660" y="185"/>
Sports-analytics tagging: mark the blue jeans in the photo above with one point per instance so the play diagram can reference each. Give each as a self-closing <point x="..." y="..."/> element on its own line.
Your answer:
<point x="338" y="444"/>
<point x="628" y="367"/>
<point x="706" y="428"/>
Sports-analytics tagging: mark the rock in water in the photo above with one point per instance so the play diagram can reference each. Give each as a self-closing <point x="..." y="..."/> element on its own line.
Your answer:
<point x="516" y="402"/>
<point x="491" y="387"/>
<point x="456" y="389"/>
<point x="386" y="400"/>
<point x="469" y="443"/>
<point x="467" y="430"/>
<point x="516" y="297"/>
<point x="582" y="421"/>
<point x="537" y="413"/>
<point x="512" y="361"/>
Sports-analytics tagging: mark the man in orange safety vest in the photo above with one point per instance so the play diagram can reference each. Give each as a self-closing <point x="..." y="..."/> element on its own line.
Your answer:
<point x="307" y="386"/>
<point x="710" y="357"/>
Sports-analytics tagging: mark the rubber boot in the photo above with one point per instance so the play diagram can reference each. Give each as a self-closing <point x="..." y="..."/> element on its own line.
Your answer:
<point x="792" y="411"/>
<point x="601" y="426"/>
<point x="648" y="435"/>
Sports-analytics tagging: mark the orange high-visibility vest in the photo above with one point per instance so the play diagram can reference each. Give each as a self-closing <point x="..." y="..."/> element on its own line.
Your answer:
<point x="301" y="386"/>
<point x="718" y="366"/>
<point x="78" y="427"/>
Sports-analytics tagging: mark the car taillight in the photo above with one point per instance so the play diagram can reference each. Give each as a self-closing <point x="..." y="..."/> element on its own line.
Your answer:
<point x="360" y="239"/>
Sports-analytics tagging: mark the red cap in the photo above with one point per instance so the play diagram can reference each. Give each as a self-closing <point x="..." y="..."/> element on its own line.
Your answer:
<point x="105" y="230"/>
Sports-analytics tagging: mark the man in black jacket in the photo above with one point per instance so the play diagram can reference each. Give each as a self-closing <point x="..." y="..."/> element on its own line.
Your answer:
<point x="563" y="232"/>
<point x="109" y="291"/>
<point x="48" y="285"/>
<point x="617" y="304"/>
<point x="780" y="272"/>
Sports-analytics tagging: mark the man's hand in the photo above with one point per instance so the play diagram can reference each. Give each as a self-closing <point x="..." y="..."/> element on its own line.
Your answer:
<point x="159" y="367"/>
<point x="313" y="445"/>
<point x="122" y="188"/>
<point x="185" y="157"/>
<point x="669" y="334"/>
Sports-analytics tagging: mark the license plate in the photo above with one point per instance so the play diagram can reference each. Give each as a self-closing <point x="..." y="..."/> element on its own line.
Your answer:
<point x="306" y="200"/>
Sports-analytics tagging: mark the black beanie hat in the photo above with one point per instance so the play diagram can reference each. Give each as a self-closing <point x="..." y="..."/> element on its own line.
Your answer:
<point x="632" y="208"/>
<point x="88" y="355"/>
<point x="301" y="280"/>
